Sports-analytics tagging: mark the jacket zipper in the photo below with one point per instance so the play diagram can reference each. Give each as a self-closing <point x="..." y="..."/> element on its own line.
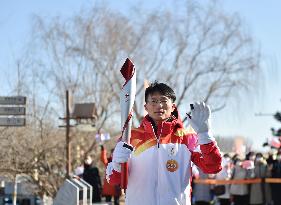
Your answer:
<point x="158" y="138"/>
<point x="158" y="146"/>
<point x="155" y="135"/>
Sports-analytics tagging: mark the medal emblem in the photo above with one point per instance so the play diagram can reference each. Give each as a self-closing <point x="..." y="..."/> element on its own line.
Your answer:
<point x="172" y="150"/>
<point x="172" y="165"/>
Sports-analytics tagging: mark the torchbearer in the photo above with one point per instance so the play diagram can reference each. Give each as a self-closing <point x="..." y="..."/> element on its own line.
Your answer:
<point x="160" y="151"/>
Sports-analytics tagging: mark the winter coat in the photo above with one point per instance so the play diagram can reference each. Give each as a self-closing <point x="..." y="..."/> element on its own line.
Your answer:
<point x="92" y="176"/>
<point x="202" y="192"/>
<point x="260" y="192"/>
<point x="160" y="166"/>
<point x="239" y="189"/>
<point x="224" y="174"/>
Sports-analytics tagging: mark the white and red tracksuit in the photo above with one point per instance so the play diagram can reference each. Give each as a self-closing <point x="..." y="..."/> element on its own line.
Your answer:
<point x="160" y="166"/>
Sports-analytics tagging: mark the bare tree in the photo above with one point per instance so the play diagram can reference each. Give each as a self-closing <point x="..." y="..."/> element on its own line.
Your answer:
<point x="37" y="156"/>
<point x="203" y="53"/>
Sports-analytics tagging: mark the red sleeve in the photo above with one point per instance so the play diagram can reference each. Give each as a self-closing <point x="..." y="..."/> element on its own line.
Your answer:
<point x="209" y="160"/>
<point x="103" y="157"/>
<point x="115" y="178"/>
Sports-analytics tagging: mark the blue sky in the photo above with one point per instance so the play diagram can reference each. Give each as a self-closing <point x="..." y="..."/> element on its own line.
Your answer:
<point x="261" y="18"/>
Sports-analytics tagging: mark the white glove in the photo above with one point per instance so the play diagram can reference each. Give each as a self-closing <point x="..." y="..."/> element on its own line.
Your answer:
<point x="110" y="168"/>
<point x="121" y="154"/>
<point x="200" y="122"/>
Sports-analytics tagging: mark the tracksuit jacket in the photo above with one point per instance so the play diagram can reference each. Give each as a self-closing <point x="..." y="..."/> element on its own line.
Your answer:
<point x="160" y="165"/>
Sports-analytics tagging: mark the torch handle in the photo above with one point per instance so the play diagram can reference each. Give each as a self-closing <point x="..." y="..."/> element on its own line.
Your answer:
<point x="124" y="176"/>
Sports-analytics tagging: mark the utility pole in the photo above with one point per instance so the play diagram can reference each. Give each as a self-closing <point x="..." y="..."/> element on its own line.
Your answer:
<point x="67" y="137"/>
<point x="85" y="111"/>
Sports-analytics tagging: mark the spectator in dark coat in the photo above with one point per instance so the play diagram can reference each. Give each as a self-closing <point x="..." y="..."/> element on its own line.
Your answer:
<point x="276" y="173"/>
<point x="92" y="176"/>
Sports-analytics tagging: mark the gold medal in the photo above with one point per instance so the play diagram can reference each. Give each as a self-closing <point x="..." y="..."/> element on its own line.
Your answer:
<point x="172" y="165"/>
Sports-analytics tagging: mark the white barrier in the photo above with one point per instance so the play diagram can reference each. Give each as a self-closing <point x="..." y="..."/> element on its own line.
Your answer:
<point x="74" y="191"/>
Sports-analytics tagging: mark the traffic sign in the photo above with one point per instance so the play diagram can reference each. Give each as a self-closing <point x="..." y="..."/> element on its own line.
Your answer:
<point x="12" y="110"/>
<point x="12" y="100"/>
<point x="12" y="121"/>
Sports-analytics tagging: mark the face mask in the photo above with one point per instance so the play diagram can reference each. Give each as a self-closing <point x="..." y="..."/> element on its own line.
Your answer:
<point x="258" y="159"/>
<point x="88" y="161"/>
<point x="252" y="158"/>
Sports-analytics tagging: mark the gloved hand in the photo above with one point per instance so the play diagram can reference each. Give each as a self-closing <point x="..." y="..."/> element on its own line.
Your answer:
<point x="121" y="154"/>
<point x="199" y="119"/>
<point x="200" y="122"/>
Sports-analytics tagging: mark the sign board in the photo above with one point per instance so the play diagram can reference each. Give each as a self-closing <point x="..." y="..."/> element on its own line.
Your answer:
<point x="13" y="100"/>
<point x="11" y="121"/>
<point x="12" y="110"/>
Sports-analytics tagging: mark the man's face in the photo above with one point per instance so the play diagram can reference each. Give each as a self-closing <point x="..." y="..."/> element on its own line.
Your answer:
<point x="159" y="107"/>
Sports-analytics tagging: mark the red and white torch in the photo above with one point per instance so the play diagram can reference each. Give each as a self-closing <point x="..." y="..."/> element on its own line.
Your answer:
<point x="127" y="98"/>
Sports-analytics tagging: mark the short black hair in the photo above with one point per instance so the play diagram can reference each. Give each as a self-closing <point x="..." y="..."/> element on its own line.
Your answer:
<point x="162" y="88"/>
<point x="226" y="155"/>
<point x="259" y="154"/>
<point x="249" y="154"/>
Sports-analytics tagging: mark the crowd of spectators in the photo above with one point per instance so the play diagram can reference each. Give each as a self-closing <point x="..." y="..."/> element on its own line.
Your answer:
<point x="254" y="165"/>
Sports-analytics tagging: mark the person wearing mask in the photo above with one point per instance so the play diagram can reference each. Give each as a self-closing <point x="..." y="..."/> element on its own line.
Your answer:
<point x="92" y="176"/>
<point x="260" y="192"/>
<point x="161" y="151"/>
<point x="249" y="164"/>
<point x="225" y="174"/>
<point x="276" y="173"/>
<point x="239" y="192"/>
